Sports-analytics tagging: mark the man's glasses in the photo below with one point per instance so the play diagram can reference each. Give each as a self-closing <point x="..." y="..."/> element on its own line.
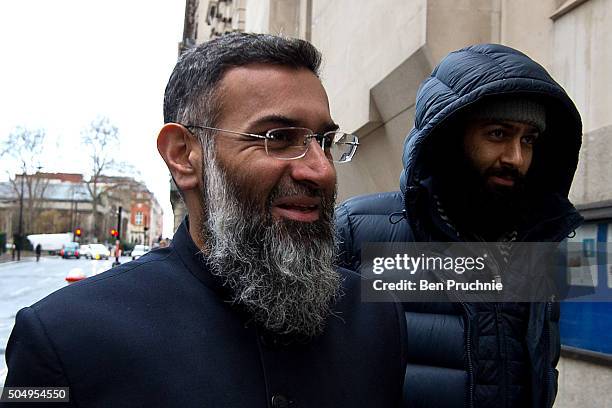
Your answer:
<point x="290" y="143"/>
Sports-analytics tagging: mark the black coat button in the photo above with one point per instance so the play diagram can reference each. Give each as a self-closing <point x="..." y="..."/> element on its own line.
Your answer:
<point x="280" y="401"/>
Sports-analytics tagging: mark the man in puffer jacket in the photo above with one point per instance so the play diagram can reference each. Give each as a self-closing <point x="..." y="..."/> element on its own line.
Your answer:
<point x="491" y="157"/>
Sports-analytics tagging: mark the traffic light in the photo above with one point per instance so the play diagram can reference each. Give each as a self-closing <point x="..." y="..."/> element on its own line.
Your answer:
<point x="114" y="232"/>
<point x="77" y="232"/>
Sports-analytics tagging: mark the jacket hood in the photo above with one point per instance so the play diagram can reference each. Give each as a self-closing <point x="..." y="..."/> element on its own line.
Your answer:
<point x="469" y="75"/>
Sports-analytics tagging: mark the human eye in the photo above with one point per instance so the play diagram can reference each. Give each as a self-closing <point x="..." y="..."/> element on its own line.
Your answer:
<point x="529" y="139"/>
<point x="285" y="137"/>
<point x="496" y="133"/>
<point x="280" y="135"/>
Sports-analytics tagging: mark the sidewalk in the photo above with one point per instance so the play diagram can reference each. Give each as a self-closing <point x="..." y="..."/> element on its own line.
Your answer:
<point x="25" y="256"/>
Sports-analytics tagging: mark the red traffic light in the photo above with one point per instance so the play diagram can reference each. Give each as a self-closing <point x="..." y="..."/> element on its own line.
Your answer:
<point x="114" y="232"/>
<point x="77" y="232"/>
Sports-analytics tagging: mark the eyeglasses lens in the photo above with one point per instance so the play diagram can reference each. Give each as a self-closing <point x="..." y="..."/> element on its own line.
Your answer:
<point x="289" y="143"/>
<point x="343" y="146"/>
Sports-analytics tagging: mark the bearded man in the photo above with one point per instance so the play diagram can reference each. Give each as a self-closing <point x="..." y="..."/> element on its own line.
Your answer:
<point x="245" y="308"/>
<point x="491" y="157"/>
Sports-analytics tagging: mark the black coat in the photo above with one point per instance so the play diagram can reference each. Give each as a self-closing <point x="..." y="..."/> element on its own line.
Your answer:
<point x="442" y="338"/>
<point x="157" y="333"/>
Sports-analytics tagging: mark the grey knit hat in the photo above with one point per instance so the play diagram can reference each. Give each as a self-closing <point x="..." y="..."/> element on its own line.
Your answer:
<point x="515" y="108"/>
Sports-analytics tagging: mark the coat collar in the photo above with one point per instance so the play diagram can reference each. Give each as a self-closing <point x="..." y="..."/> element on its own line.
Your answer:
<point x="195" y="261"/>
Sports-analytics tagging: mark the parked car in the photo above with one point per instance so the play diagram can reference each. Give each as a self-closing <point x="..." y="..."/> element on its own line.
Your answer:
<point x="85" y="251"/>
<point x="70" y="250"/>
<point x="139" y="250"/>
<point x="99" y="251"/>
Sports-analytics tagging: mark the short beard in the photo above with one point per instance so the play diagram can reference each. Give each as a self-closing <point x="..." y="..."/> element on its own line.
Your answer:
<point x="475" y="206"/>
<point x="281" y="272"/>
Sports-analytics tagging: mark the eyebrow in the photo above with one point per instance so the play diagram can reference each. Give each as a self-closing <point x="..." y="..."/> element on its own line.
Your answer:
<point x="508" y="125"/>
<point x="283" y="120"/>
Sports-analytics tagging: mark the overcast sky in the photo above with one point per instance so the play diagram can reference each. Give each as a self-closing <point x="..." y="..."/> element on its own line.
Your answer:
<point x="64" y="62"/>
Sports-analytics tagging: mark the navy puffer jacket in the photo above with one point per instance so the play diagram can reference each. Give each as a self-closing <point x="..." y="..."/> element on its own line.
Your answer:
<point x="449" y="344"/>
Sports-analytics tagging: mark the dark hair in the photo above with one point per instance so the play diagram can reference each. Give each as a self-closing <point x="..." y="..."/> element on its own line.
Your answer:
<point x="190" y="93"/>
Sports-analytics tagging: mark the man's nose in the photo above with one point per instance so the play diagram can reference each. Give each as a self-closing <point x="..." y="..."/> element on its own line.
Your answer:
<point x="315" y="168"/>
<point x="513" y="153"/>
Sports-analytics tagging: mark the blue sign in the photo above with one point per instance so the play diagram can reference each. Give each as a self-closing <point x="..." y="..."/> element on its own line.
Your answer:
<point x="588" y="325"/>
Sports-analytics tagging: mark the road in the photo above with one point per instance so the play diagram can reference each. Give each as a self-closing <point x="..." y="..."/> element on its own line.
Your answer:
<point x="23" y="283"/>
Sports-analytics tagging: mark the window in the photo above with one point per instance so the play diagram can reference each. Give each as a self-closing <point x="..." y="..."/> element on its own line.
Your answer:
<point x="138" y="218"/>
<point x="586" y="325"/>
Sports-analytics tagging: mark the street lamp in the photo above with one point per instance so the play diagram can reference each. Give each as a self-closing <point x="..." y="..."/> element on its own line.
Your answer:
<point x="77" y="195"/>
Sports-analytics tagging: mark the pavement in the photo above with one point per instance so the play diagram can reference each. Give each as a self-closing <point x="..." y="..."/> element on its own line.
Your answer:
<point x="25" y="255"/>
<point x="27" y="281"/>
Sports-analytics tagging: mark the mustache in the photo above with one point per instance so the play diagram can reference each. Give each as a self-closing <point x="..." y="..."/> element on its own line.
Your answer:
<point x="287" y="188"/>
<point x="505" y="172"/>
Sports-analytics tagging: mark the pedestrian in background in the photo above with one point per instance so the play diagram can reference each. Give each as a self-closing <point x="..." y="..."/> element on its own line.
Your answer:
<point x="38" y="251"/>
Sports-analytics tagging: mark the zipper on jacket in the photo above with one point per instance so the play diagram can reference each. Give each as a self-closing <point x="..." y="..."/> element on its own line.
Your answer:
<point x="468" y="352"/>
<point x="548" y="354"/>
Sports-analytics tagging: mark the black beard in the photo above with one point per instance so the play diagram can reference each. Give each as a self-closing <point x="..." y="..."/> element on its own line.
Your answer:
<point x="478" y="208"/>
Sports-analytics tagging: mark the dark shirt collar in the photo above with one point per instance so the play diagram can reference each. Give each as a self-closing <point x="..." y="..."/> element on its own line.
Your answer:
<point x="195" y="261"/>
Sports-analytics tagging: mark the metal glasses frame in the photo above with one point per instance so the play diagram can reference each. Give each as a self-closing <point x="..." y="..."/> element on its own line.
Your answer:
<point x="319" y="137"/>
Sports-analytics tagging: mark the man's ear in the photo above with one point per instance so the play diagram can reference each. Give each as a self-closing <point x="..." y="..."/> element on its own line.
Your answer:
<point x="182" y="153"/>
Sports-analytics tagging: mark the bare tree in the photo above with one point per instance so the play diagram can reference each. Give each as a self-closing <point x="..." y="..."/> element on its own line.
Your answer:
<point x="102" y="139"/>
<point x="25" y="146"/>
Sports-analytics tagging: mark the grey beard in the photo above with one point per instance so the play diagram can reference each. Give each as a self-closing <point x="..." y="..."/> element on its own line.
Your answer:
<point x="282" y="272"/>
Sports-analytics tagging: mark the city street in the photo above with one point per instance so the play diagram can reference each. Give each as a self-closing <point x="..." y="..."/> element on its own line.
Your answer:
<point x="25" y="282"/>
